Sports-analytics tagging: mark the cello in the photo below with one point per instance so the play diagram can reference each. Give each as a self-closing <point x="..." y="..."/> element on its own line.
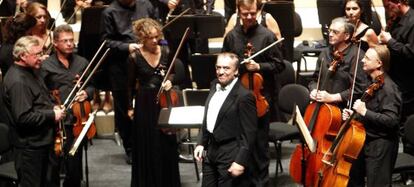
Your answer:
<point x="254" y="82"/>
<point x="347" y="145"/>
<point x="323" y="122"/>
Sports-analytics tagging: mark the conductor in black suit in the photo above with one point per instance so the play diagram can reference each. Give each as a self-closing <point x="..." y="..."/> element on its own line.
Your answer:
<point x="229" y="128"/>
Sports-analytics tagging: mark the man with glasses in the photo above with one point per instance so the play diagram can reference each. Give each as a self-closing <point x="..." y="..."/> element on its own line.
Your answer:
<point x="60" y="72"/>
<point x="267" y="64"/>
<point x="337" y="87"/>
<point x="34" y="116"/>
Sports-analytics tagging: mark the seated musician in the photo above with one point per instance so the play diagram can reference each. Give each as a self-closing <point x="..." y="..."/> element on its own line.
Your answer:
<point x="380" y="115"/>
<point x="60" y="72"/>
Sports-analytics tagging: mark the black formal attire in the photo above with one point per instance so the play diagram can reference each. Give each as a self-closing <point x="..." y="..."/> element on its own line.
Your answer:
<point x="233" y="136"/>
<point x="340" y="81"/>
<point x="58" y="77"/>
<point x="364" y="44"/>
<point x="401" y="47"/>
<point x="155" y="152"/>
<point x="31" y="107"/>
<point x="117" y="31"/>
<point x="381" y="121"/>
<point x="6" y="57"/>
<point x="270" y="64"/>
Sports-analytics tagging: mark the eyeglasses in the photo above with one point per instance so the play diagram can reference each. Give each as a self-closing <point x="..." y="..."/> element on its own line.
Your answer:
<point x="334" y="31"/>
<point x="39" y="54"/>
<point x="246" y="14"/>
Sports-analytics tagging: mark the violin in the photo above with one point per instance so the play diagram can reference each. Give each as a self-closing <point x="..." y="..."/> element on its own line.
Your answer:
<point x="323" y="121"/>
<point x="347" y="145"/>
<point x="81" y="111"/>
<point x="254" y="82"/>
<point x="60" y="135"/>
<point x="168" y="98"/>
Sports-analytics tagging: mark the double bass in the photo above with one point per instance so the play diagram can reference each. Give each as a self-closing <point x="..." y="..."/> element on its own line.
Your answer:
<point x="346" y="146"/>
<point x="324" y="121"/>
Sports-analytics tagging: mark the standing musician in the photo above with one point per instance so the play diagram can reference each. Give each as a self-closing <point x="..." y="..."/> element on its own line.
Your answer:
<point x="356" y="15"/>
<point x="154" y="153"/>
<point x="41" y="30"/>
<point x="380" y="116"/>
<point x="117" y="31"/>
<point x="33" y="112"/>
<point x="229" y="128"/>
<point x="60" y="72"/>
<point x="338" y="91"/>
<point x="400" y="41"/>
<point x="267" y="64"/>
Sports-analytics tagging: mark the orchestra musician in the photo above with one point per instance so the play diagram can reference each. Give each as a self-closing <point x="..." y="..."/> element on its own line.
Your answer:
<point x="380" y="115"/>
<point x="229" y="128"/>
<point x="117" y="31"/>
<point x="338" y="91"/>
<point x="60" y="72"/>
<point x="267" y="64"/>
<point x="263" y="18"/>
<point x="365" y="34"/>
<point x="400" y="41"/>
<point x="16" y="27"/>
<point x="33" y="112"/>
<point x="155" y="151"/>
<point x="40" y="30"/>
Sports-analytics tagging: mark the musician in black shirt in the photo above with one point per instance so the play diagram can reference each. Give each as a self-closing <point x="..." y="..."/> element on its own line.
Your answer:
<point x="400" y="41"/>
<point x="117" y="31"/>
<point x="33" y="112"/>
<point x="380" y="115"/>
<point x="60" y="72"/>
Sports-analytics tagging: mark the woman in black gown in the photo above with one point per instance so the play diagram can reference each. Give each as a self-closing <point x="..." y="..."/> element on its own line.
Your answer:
<point x="154" y="154"/>
<point x="363" y="32"/>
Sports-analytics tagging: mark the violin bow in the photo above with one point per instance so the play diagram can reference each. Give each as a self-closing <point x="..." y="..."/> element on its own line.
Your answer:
<point x="174" y="19"/>
<point x="82" y="134"/>
<point x="354" y="78"/>
<point x="84" y="72"/>
<point x="186" y="33"/>
<point x="262" y="50"/>
<point x="89" y="77"/>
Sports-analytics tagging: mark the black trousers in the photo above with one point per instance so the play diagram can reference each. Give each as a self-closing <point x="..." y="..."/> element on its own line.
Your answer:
<point x="261" y="153"/>
<point x="375" y="162"/>
<point x="215" y="164"/>
<point x="32" y="166"/>
<point x="122" y="121"/>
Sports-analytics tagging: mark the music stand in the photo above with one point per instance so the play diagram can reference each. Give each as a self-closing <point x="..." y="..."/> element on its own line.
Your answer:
<point x="203" y="69"/>
<point x="201" y="26"/>
<point x="283" y="12"/>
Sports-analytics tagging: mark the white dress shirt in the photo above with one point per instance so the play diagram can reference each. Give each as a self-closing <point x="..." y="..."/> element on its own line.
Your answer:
<point x="216" y="102"/>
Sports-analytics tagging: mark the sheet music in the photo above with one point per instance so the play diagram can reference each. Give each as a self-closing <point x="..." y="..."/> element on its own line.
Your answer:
<point x="304" y="131"/>
<point x="186" y="115"/>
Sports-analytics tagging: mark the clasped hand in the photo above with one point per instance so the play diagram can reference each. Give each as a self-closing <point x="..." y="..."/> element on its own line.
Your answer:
<point x="60" y="112"/>
<point x="251" y="65"/>
<point x="81" y="96"/>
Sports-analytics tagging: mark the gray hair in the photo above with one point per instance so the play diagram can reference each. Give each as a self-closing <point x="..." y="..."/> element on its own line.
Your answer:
<point x="234" y="59"/>
<point x="23" y="45"/>
<point x="349" y="28"/>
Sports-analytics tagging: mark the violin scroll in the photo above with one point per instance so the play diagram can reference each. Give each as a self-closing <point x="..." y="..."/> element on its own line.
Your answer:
<point x="337" y="58"/>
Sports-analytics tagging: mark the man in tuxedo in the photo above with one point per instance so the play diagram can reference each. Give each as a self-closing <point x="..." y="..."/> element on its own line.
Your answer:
<point x="229" y="128"/>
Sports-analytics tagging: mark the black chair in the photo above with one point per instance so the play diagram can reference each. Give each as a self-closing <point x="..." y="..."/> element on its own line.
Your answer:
<point x="289" y="96"/>
<point x="7" y="170"/>
<point x="287" y="76"/>
<point x="405" y="161"/>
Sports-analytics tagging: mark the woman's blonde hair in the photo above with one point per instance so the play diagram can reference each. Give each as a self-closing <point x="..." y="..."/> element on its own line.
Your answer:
<point x="142" y="28"/>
